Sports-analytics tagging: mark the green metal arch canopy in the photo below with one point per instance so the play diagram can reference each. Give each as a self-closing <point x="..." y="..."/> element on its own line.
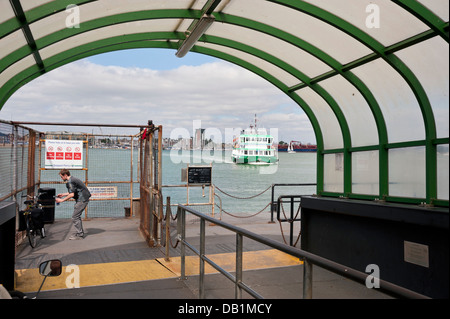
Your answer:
<point x="161" y="35"/>
<point x="103" y="22"/>
<point x="133" y="41"/>
<point x="280" y="33"/>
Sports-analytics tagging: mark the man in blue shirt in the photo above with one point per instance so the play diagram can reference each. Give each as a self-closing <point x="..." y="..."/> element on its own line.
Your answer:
<point x="78" y="191"/>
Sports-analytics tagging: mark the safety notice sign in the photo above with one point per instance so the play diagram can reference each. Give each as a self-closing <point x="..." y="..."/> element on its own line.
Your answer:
<point x="63" y="154"/>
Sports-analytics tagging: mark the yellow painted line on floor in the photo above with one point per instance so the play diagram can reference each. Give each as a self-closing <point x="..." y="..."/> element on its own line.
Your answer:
<point x="252" y="260"/>
<point x="29" y="280"/>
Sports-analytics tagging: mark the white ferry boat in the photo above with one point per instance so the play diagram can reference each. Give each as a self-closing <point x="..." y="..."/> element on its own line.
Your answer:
<point x="254" y="147"/>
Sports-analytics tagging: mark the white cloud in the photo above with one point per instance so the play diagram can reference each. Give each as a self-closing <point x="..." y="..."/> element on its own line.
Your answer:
<point x="219" y="94"/>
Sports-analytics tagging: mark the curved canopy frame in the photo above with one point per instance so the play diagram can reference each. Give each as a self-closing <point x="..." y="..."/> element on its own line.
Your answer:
<point x="372" y="76"/>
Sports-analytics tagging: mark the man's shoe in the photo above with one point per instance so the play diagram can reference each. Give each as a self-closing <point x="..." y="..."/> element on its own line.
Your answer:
<point x="76" y="237"/>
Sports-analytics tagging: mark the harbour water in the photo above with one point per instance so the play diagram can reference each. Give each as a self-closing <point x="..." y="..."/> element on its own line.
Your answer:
<point x="240" y="181"/>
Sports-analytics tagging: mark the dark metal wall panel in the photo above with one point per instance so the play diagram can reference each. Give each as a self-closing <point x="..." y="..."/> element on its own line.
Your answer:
<point x="7" y="243"/>
<point x="409" y="244"/>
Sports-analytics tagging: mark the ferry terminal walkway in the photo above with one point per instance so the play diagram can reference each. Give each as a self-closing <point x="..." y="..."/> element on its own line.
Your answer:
<point x="114" y="262"/>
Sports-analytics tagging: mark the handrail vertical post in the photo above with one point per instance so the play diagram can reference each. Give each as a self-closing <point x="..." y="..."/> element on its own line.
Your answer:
<point x="202" y="261"/>
<point x="168" y="217"/>
<point x="271" y="205"/>
<point x="307" y="279"/>
<point x="239" y="263"/>
<point x="182" y="215"/>
<point x="291" y="233"/>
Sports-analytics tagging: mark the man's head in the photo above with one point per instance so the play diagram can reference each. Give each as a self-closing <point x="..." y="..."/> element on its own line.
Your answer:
<point x="65" y="174"/>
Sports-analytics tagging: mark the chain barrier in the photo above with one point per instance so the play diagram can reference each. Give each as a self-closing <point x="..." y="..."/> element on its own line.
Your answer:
<point x="243" y="198"/>
<point x="163" y="223"/>
<point x="236" y="197"/>
<point x="235" y="216"/>
<point x="169" y="211"/>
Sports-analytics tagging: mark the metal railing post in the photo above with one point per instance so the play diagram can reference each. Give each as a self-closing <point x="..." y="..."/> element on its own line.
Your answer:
<point x="239" y="263"/>
<point x="182" y="215"/>
<point x="202" y="261"/>
<point x="272" y="205"/>
<point x="307" y="279"/>
<point x="168" y="217"/>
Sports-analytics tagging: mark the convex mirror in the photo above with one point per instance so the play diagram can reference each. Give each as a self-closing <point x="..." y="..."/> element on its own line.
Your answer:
<point x="51" y="268"/>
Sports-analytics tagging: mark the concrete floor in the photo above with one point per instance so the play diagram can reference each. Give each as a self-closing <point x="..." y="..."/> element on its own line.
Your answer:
<point x="111" y="242"/>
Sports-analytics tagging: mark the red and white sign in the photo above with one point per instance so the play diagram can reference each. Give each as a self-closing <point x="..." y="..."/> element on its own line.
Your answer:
<point x="63" y="154"/>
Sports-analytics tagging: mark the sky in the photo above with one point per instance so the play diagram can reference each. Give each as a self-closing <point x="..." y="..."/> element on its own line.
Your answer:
<point x="134" y="86"/>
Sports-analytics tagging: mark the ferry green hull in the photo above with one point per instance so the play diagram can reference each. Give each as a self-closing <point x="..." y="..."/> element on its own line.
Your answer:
<point x="255" y="160"/>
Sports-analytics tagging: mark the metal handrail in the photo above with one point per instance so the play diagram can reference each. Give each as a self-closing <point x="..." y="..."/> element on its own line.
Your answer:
<point x="274" y="203"/>
<point x="309" y="259"/>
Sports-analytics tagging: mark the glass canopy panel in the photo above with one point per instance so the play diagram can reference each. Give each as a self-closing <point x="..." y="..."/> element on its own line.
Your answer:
<point x="429" y="61"/>
<point x="438" y="7"/>
<point x="16" y="68"/>
<point x="49" y="25"/>
<point x="443" y="173"/>
<point x="288" y="53"/>
<point x="407" y="172"/>
<point x="31" y="4"/>
<point x="108" y="32"/>
<point x="6" y="11"/>
<point x="332" y="135"/>
<point x="101" y="9"/>
<point x="285" y="77"/>
<point x="400" y="108"/>
<point x="365" y="173"/>
<point x="332" y="41"/>
<point x="333" y="180"/>
<point x="357" y="112"/>
<point x="381" y="19"/>
<point x="12" y="42"/>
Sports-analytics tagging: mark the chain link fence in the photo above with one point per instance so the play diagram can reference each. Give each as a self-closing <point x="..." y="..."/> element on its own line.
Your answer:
<point x="110" y="165"/>
<point x="109" y="170"/>
<point x="14" y="161"/>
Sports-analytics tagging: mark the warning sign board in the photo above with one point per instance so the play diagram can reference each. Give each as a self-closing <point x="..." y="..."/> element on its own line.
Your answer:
<point x="63" y="154"/>
<point x="101" y="192"/>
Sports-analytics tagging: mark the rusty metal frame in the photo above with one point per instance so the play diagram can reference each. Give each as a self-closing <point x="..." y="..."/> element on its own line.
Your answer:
<point x="151" y="208"/>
